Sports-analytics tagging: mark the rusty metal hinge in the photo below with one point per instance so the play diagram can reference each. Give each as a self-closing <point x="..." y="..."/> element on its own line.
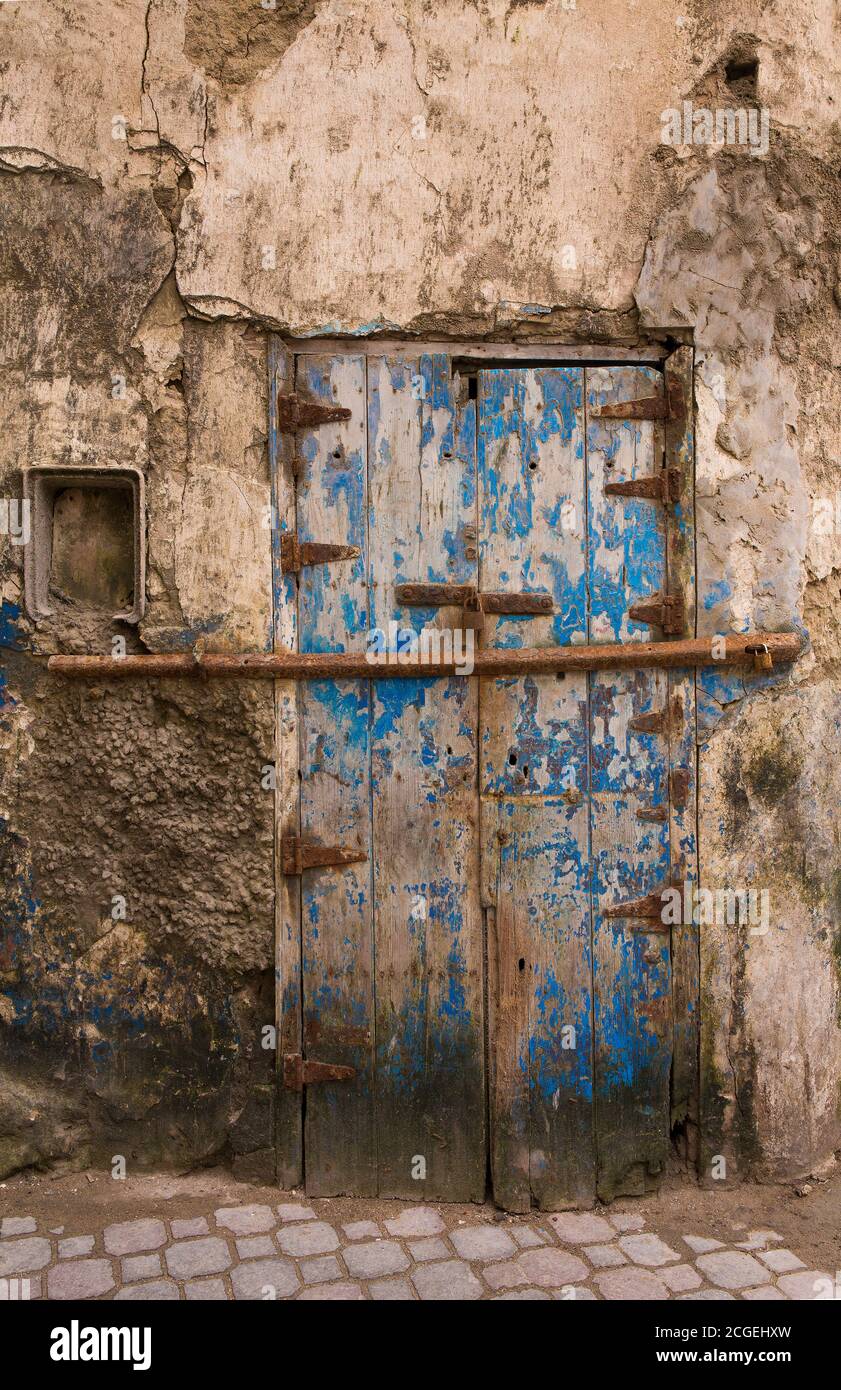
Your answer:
<point x="298" y="1073"/>
<point x="297" y="854"/>
<point x="294" y="554"/>
<point x="648" y="910"/>
<point x="295" y="412"/>
<point x="661" y="610"/>
<point x="670" y="407"/>
<point x="474" y="603"/>
<point x="659" y="487"/>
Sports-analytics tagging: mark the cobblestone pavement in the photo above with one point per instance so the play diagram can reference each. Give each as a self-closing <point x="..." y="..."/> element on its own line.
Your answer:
<point x="291" y="1250"/>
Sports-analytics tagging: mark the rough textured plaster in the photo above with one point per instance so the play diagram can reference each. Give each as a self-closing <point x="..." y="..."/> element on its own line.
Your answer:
<point x="298" y="129"/>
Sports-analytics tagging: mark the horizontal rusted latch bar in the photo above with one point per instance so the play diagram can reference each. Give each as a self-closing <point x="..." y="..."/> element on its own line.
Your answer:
<point x="295" y="554"/>
<point x="670" y="407"/>
<point x="648" y="910"/>
<point x="659" y="487"/>
<point x="492" y="663"/>
<point x="296" y="855"/>
<point x="661" y="610"/>
<point x="467" y="596"/>
<point x="298" y="1073"/>
<point x="295" y="412"/>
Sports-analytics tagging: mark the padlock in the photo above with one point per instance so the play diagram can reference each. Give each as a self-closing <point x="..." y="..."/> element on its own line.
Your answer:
<point x="761" y="658"/>
<point x="473" y="615"/>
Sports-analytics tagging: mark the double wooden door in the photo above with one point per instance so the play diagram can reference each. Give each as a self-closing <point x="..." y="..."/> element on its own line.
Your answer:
<point x="469" y="971"/>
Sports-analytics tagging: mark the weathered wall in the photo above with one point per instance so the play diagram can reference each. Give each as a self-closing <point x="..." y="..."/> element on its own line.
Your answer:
<point x="332" y="166"/>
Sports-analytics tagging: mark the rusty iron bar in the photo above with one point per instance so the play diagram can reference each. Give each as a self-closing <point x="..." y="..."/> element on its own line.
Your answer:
<point x="522" y="661"/>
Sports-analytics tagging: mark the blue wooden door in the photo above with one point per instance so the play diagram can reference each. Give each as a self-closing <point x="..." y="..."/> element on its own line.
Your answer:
<point x="473" y="963"/>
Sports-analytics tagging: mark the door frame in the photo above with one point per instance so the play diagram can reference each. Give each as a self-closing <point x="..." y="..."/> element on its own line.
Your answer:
<point x="677" y="365"/>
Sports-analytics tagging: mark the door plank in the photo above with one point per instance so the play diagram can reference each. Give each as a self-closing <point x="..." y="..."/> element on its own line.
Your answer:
<point x="289" y="1114"/>
<point x="629" y="772"/>
<point x="337" y="949"/>
<point x="428" y="928"/>
<point x="533" y="780"/>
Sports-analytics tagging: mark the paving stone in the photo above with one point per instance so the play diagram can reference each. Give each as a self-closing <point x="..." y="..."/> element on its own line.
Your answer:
<point x="393" y="1290"/>
<point x="781" y="1261"/>
<point x="647" y="1249"/>
<point x="581" y="1227"/>
<point x="245" y="1221"/>
<point x="340" y="1293"/>
<point x="806" y="1285"/>
<point x="679" y="1278"/>
<point x="80" y="1279"/>
<point x="251" y="1246"/>
<point x="186" y="1259"/>
<point x="75" y="1246"/>
<point x="206" y="1291"/>
<point x="430" y="1249"/>
<point x="706" y="1296"/>
<point x="265" y="1279"/>
<point x="604" y="1256"/>
<point x="522" y="1296"/>
<point x="732" y="1269"/>
<point x="631" y="1282"/>
<point x="140" y="1267"/>
<point x="766" y="1293"/>
<point x="452" y="1279"/>
<point x="528" y="1238"/>
<point x="194" y="1226"/>
<point x="163" y="1291"/>
<point x="482" y="1243"/>
<point x="17" y="1226"/>
<point x="549" y="1267"/>
<point x="316" y="1239"/>
<point x="322" y="1270"/>
<point x="295" y="1211"/>
<point x="22" y="1256"/>
<point x="130" y="1237"/>
<point x="757" y="1240"/>
<point x="362" y="1230"/>
<point x="505" y="1276"/>
<point x="702" y="1245"/>
<point x="627" y="1220"/>
<point x="416" y="1221"/>
<point x="375" y="1257"/>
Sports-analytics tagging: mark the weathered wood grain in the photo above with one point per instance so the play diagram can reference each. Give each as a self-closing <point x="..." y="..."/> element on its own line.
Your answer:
<point x="337" y="940"/>
<point x="533" y="778"/>
<point x="430" y="1103"/>
<point x="289" y="1110"/>
<point x="629" y="772"/>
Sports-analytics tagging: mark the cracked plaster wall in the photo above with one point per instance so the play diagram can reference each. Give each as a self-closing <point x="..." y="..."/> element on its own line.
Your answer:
<point x="423" y="168"/>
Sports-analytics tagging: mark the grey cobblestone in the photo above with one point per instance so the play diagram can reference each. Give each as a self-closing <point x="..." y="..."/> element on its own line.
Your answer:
<point x="321" y="1270"/>
<point x="205" y="1291"/>
<point x="206" y="1255"/>
<point x="265" y="1279"/>
<point x="162" y="1291"/>
<point x="376" y="1257"/>
<point x="24" y="1256"/>
<point x="482" y="1243"/>
<point x="80" y="1279"/>
<point x="131" y="1237"/>
<point x="136" y="1267"/>
<point x="246" y="1221"/>
<point x="75" y="1246"/>
<point x="17" y="1226"/>
<point x="261" y="1252"/>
